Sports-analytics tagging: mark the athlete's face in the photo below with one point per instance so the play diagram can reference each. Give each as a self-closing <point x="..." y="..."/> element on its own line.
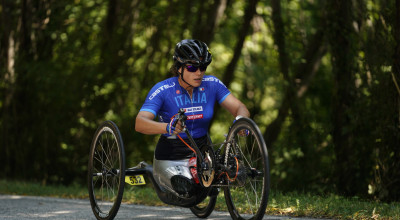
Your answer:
<point x="193" y="78"/>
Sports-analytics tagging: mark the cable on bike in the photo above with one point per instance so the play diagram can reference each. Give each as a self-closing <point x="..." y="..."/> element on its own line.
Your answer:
<point x="186" y="143"/>
<point x="227" y="175"/>
<point x="184" y="140"/>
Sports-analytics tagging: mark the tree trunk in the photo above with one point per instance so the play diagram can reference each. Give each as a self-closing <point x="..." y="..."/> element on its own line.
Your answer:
<point x="7" y="75"/>
<point x="396" y="63"/>
<point x="304" y="72"/>
<point x="243" y="32"/>
<point x="273" y="130"/>
<point x="206" y="30"/>
<point x="279" y="38"/>
<point x="389" y="180"/>
<point x="343" y="40"/>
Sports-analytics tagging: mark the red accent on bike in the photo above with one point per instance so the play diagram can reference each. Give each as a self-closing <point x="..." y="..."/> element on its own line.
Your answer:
<point x="193" y="169"/>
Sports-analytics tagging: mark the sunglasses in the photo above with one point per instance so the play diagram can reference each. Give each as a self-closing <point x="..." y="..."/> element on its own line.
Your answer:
<point x="192" y="68"/>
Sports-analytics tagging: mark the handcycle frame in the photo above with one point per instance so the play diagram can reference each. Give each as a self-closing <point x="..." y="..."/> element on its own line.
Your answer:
<point x="219" y="163"/>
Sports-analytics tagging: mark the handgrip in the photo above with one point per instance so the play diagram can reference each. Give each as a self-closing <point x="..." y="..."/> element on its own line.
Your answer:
<point x="181" y="117"/>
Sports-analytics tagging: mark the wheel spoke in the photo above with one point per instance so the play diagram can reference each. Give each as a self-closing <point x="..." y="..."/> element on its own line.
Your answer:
<point x="249" y="202"/>
<point x="108" y="152"/>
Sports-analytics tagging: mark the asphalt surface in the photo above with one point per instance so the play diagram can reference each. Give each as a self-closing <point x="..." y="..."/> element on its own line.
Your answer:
<point x="33" y="207"/>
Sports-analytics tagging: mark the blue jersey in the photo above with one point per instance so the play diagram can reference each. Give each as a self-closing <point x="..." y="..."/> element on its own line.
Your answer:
<point x="167" y="97"/>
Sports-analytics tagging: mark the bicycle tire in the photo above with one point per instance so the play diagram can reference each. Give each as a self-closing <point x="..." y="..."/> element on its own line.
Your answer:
<point x="247" y="196"/>
<point x="106" y="171"/>
<point x="204" y="208"/>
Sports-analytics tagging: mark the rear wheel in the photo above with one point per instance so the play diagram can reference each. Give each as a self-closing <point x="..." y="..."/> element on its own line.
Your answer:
<point x="204" y="208"/>
<point x="206" y="177"/>
<point x="248" y="171"/>
<point x="106" y="171"/>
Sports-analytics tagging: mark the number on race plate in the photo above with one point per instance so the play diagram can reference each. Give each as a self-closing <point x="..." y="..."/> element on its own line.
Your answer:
<point x="135" y="180"/>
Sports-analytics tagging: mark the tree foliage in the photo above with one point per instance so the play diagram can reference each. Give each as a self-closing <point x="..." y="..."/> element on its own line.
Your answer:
<point x="321" y="79"/>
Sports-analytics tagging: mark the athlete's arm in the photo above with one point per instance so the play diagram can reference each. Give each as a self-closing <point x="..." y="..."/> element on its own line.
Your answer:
<point x="146" y="125"/>
<point x="235" y="106"/>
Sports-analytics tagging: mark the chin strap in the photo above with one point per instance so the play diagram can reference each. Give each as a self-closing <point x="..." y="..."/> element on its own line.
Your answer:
<point x="181" y="73"/>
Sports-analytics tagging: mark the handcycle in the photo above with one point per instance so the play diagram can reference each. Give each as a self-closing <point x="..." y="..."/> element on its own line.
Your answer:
<point x="239" y="166"/>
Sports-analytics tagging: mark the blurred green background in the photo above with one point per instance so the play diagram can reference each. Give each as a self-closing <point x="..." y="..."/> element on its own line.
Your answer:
<point x="320" y="78"/>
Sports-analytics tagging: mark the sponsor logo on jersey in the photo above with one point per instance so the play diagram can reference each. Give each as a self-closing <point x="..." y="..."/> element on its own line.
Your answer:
<point x="159" y="89"/>
<point x="212" y="79"/>
<point x="193" y="117"/>
<point x="194" y="109"/>
<point x="201" y="89"/>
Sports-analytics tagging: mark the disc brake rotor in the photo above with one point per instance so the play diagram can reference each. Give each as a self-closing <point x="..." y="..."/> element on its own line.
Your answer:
<point x="207" y="175"/>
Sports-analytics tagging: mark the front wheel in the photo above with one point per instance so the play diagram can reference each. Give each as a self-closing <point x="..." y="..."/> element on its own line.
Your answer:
<point x="106" y="171"/>
<point x="247" y="194"/>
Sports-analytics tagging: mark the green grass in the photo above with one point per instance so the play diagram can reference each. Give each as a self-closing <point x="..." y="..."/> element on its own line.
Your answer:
<point x="37" y="189"/>
<point x="288" y="204"/>
<point x="331" y="206"/>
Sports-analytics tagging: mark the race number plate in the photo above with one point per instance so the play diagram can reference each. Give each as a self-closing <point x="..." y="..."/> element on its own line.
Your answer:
<point x="135" y="180"/>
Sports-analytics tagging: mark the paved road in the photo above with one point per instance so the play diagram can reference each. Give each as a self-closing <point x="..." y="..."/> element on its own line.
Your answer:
<point x="32" y="207"/>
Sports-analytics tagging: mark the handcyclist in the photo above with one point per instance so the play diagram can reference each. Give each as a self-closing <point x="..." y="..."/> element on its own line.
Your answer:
<point x="195" y="92"/>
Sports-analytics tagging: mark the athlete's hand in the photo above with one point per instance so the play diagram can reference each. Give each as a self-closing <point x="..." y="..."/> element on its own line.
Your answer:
<point x="174" y="126"/>
<point x="243" y="132"/>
